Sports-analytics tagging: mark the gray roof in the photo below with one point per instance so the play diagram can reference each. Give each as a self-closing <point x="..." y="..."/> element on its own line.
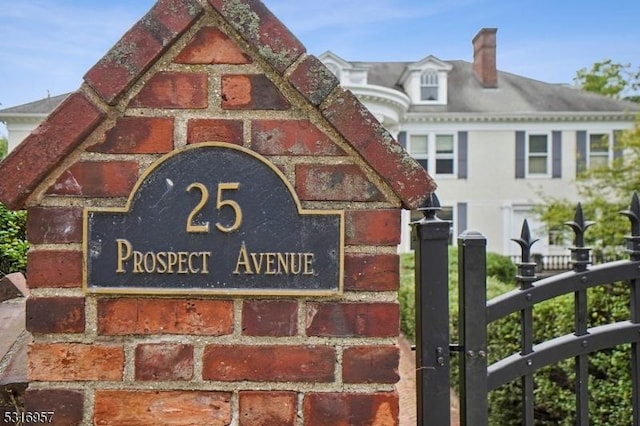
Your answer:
<point x="515" y="94"/>
<point x="43" y="106"/>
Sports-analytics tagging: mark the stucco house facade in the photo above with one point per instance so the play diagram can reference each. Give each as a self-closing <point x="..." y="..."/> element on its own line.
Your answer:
<point x="493" y="141"/>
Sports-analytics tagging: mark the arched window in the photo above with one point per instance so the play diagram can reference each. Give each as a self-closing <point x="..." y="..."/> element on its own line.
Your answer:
<point x="429" y="86"/>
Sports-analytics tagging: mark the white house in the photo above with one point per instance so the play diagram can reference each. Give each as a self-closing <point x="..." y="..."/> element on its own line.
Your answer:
<point x="492" y="140"/>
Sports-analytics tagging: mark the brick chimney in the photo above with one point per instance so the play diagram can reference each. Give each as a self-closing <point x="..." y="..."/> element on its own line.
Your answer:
<point x="484" y="57"/>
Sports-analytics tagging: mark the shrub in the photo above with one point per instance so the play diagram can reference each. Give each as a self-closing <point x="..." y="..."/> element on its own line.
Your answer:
<point x="609" y="380"/>
<point x="609" y="370"/>
<point x="501" y="267"/>
<point x="13" y="241"/>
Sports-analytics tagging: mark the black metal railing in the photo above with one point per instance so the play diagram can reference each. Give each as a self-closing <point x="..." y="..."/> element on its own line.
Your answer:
<point x="477" y="378"/>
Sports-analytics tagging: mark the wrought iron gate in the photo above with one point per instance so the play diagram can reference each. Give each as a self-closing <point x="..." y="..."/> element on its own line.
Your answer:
<point x="434" y="348"/>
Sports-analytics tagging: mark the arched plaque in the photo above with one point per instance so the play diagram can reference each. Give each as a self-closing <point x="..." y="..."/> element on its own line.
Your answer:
<point x="213" y="218"/>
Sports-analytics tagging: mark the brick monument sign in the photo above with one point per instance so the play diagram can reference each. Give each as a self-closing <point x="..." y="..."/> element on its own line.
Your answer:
<point x="213" y="224"/>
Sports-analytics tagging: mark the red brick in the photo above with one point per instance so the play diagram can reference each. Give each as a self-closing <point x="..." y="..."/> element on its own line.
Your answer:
<point x="129" y="407"/>
<point x="370" y="364"/>
<point x="269" y="318"/>
<point x="175" y="15"/>
<point x="141" y="46"/>
<point x="253" y="20"/>
<point x="372" y="227"/>
<point x="43" y="150"/>
<point x="54" y="268"/>
<point x="212" y="46"/>
<point x="55" y="315"/>
<point x="168" y="316"/>
<point x="353" y="319"/>
<point x="215" y="130"/>
<point x="137" y="135"/>
<point x="67" y="405"/>
<point x="180" y="90"/>
<point x="54" y="225"/>
<point x="340" y="182"/>
<point x="371" y="272"/>
<point x="251" y="92"/>
<point x="268" y="408"/>
<point x="291" y="137"/>
<point x="75" y="362"/>
<point x="163" y="361"/>
<point x="97" y="179"/>
<point x="346" y="409"/>
<point x="268" y="363"/>
<point x="353" y="120"/>
<point x="313" y="79"/>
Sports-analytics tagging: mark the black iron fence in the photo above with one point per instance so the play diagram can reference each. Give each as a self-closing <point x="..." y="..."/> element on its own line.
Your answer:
<point x="434" y="348"/>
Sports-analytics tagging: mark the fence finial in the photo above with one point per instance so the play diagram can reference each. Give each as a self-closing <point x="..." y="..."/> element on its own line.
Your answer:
<point x="579" y="226"/>
<point x="634" y="215"/>
<point x="633" y="240"/>
<point x="525" y="242"/>
<point x="430" y="207"/>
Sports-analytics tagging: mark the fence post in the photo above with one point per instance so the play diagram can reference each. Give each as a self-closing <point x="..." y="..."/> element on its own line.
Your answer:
<point x="472" y="311"/>
<point x="432" y="316"/>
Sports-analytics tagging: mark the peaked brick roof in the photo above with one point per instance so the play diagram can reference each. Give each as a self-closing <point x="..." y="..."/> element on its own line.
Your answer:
<point x="149" y="39"/>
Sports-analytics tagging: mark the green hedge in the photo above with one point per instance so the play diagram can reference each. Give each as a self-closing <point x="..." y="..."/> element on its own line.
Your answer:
<point x="609" y="381"/>
<point x="13" y="241"/>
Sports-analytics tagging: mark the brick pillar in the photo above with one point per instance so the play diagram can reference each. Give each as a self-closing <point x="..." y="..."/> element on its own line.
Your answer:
<point x="191" y="74"/>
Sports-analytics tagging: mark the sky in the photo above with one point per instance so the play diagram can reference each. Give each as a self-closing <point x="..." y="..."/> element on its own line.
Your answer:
<point x="46" y="46"/>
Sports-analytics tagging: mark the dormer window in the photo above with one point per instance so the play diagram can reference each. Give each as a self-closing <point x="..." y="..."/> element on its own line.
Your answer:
<point x="429" y="86"/>
<point x="425" y="82"/>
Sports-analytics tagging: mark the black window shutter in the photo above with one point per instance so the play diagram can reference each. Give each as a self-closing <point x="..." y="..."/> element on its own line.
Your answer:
<point x="520" y="155"/>
<point x="581" y="151"/>
<point x="462" y="218"/>
<point x="617" y="148"/>
<point x="556" y="154"/>
<point x="463" y="142"/>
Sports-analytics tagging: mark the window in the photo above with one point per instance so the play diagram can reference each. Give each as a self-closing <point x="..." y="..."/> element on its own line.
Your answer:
<point x="599" y="150"/>
<point x="444" y="154"/>
<point x="538" y="157"/>
<point x="429" y="86"/>
<point x="435" y="152"/>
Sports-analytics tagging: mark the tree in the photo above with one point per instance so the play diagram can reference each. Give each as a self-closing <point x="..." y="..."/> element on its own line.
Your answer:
<point x="611" y="79"/>
<point x="4" y="147"/>
<point x="605" y="190"/>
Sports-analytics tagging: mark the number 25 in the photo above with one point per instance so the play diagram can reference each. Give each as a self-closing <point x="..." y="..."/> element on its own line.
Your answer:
<point x="220" y="203"/>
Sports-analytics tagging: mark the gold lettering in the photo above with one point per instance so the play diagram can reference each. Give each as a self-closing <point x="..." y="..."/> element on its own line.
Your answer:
<point x="161" y="257"/>
<point x="182" y="262"/>
<point x="270" y="263"/>
<point x="243" y="259"/>
<point x="161" y="262"/>
<point x="283" y="263"/>
<point x="274" y="263"/>
<point x="124" y="253"/>
<point x="137" y="262"/>
<point x="172" y="260"/>
<point x="257" y="265"/>
<point x="308" y="264"/>
<point x="149" y="256"/>
<point x="205" y="265"/>
<point x="293" y="269"/>
<point x="192" y="269"/>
